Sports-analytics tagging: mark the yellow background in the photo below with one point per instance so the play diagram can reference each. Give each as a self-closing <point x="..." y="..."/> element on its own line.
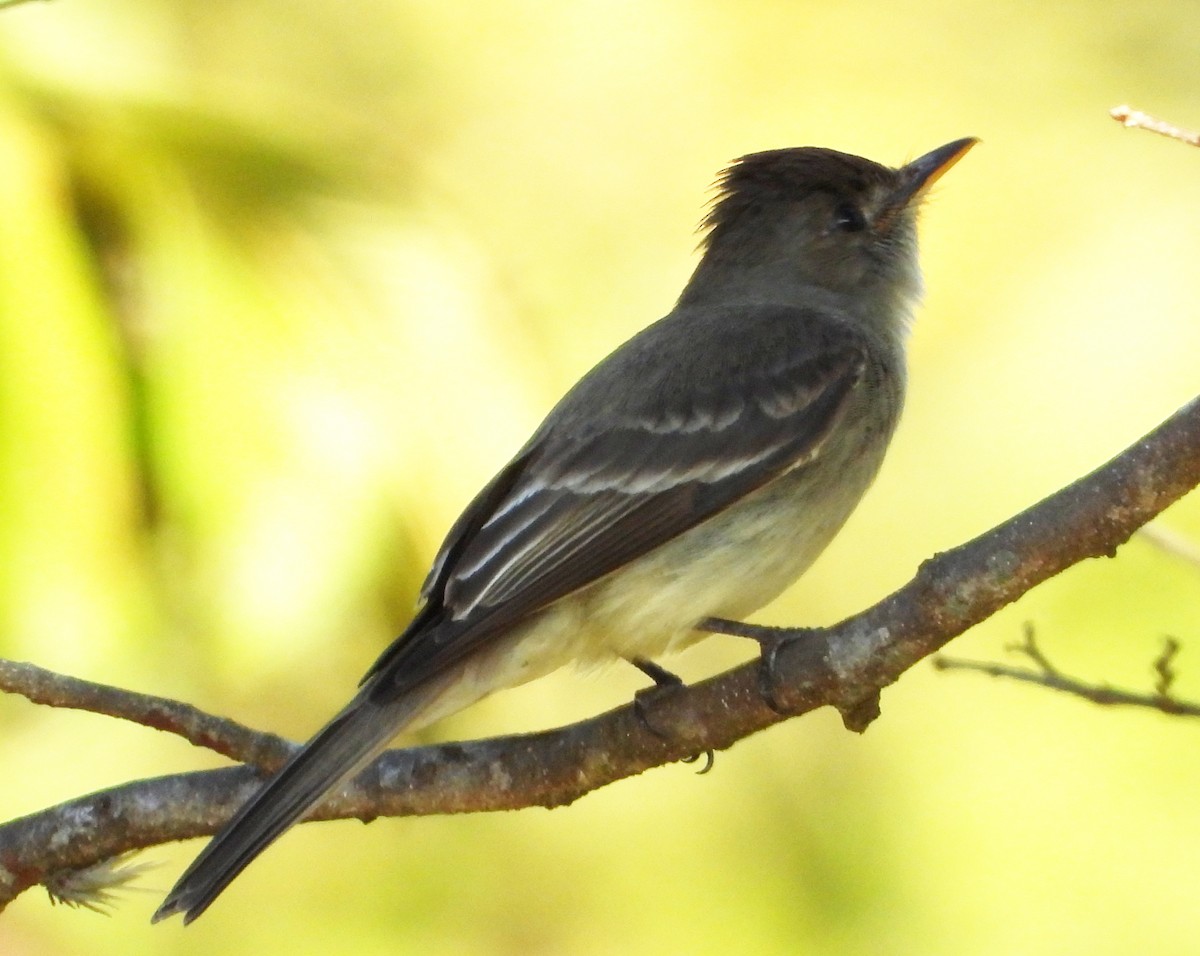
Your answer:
<point x="281" y="284"/>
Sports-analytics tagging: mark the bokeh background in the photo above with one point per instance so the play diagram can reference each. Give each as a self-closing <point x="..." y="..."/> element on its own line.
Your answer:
<point x="281" y="284"/>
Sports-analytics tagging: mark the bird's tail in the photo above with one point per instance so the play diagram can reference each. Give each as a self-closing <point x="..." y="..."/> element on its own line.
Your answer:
<point x="338" y="751"/>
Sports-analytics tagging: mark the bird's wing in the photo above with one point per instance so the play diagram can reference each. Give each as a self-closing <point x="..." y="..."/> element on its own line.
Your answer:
<point x="581" y="501"/>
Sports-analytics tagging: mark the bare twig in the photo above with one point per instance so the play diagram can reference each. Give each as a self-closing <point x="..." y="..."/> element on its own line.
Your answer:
<point x="1028" y="647"/>
<point x="226" y="737"/>
<point x="1128" y="116"/>
<point x="844" y="666"/>
<point x="1171" y="542"/>
<point x="1164" y="667"/>
<point x="1046" y="674"/>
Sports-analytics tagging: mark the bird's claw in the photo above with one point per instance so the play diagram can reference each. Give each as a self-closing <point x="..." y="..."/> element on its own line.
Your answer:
<point x="709" y="759"/>
<point x="768" y="682"/>
<point x="665" y="684"/>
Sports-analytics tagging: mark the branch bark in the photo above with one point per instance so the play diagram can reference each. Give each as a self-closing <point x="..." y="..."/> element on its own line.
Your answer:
<point x="845" y="666"/>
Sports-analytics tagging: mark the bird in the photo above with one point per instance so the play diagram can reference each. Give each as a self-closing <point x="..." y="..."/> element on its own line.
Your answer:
<point x="694" y="473"/>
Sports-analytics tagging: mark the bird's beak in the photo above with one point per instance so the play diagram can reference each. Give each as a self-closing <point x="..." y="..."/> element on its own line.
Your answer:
<point x="916" y="177"/>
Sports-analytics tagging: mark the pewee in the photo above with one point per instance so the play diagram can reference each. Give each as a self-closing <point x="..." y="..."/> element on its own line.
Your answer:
<point x="696" y="472"/>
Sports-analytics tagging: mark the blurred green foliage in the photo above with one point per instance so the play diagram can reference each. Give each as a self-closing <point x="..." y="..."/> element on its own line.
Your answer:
<point x="282" y="284"/>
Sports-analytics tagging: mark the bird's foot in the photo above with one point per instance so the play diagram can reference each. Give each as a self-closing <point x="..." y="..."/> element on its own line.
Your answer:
<point x="665" y="684"/>
<point x="769" y="640"/>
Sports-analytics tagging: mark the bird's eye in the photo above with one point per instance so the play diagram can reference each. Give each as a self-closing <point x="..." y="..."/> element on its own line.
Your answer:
<point x="847" y="217"/>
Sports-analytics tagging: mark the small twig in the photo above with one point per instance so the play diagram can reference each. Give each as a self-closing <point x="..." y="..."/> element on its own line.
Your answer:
<point x="224" y="736"/>
<point x="1171" y="542"/>
<point x="1047" y="675"/>
<point x="1029" y="648"/>
<point x="1128" y="116"/>
<point x="1163" y="667"/>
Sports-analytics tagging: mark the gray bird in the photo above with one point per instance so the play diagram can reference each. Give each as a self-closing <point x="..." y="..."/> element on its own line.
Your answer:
<point x="696" y="472"/>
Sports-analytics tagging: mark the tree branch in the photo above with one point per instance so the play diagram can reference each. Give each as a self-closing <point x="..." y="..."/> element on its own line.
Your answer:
<point x="1046" y="674"/>
<point x="226" y="737"/>
<point x="844" y="666"/>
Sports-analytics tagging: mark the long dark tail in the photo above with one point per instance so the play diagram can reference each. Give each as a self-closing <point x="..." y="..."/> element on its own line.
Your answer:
<point x="338" y="751"/>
